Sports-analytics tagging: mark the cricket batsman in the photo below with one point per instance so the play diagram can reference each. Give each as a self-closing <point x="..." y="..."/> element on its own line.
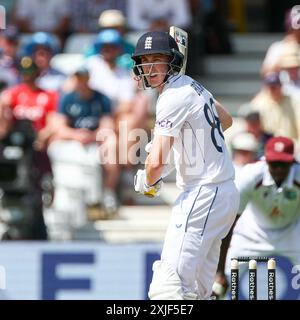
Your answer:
<point x="189" y="122"/>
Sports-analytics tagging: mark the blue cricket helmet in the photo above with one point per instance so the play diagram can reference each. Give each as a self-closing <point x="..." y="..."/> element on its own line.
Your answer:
<point x="158" y="42"/>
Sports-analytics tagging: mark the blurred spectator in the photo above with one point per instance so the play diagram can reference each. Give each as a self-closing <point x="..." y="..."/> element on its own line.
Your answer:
<point x="279" y="114"/>
<point x="275" y="15"/>
<point x="159" y="24"/>
<point x="114" y="19"/>
<point x="42" y="46"/>
<point x="275" y="51"/>
<point x="289" y="66"/>
<point x="41" y="15"/>
<point x="9" y="43"/>
<point x="146" y="14"/>
<point x="129" y="105"/>
<point x="244" y="150"/>
<point x="254" y="126"/>
<point x="106" y="76"/>
<point x="215" y="27"/>
<point x="85" y="14"/>
<point x="82" y="113"/>
<point x="9" y="6"/>
<point x="27" y="101"/>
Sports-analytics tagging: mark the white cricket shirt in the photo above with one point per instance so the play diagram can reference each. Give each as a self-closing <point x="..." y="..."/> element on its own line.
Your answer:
<point x="185" y="110"/>
<point x="262" y="202"/>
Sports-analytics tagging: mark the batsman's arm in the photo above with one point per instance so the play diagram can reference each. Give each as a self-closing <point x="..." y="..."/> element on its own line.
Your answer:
<point x="5" y="116"/>
<point x="157" y="157"/>
<point x="224" y="116"/>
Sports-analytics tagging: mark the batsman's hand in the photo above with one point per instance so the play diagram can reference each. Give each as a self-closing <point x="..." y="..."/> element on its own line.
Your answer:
<point x="141" y="186"/>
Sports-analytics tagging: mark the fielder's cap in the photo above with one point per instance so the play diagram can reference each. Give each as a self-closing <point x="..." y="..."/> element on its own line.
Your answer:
<point x="272" y="79"/>
<point x="279" y="149"/>
<point x="154" y="42"/>
<point x="244" y="141"/>
<point x="108" y="36"/>
<point x="111" y="18"/>
<point x="27" y="66"/>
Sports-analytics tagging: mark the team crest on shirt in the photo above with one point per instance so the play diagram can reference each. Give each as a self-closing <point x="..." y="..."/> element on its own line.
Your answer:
<point x="148" y="43"/>
<point x="275" y="213"/>
<point x="74" y="109"/>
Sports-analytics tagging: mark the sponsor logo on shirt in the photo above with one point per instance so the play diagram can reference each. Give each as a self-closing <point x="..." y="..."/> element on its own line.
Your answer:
<point x="24" y="112"/>
<point x="197" y="87"/>
<point x="164" y="124"/>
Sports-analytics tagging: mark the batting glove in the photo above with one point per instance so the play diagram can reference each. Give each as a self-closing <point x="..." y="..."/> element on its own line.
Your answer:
<point x="142" y="187"/>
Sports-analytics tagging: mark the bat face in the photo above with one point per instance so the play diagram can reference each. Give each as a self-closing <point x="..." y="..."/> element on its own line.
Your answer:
<point x="181" y="37"/>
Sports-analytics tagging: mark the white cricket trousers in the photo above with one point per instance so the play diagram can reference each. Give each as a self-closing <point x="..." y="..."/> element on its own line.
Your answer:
<point x="201" y="217"/>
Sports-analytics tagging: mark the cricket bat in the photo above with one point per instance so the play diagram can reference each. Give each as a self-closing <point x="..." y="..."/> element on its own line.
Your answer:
<point x="181" y="37"/>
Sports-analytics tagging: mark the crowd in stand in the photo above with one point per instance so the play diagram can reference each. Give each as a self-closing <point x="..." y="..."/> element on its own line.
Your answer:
<point x="266" y="159"/>
<point x="67" y="110"/>
<point x="274" y="110"/>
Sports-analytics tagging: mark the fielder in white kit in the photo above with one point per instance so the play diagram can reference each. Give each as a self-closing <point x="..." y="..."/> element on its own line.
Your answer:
<point x="190" y="124"/>
<point x="270" y="205"/>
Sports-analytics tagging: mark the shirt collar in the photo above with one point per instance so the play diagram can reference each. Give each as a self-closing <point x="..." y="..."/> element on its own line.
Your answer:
<point x="170" y="80"/>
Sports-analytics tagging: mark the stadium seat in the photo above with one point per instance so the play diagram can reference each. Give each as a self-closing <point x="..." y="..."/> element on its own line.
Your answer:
<point x="133" y="36"/>
<point x="79" y="42"/>
<point x="67" y="63"/>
